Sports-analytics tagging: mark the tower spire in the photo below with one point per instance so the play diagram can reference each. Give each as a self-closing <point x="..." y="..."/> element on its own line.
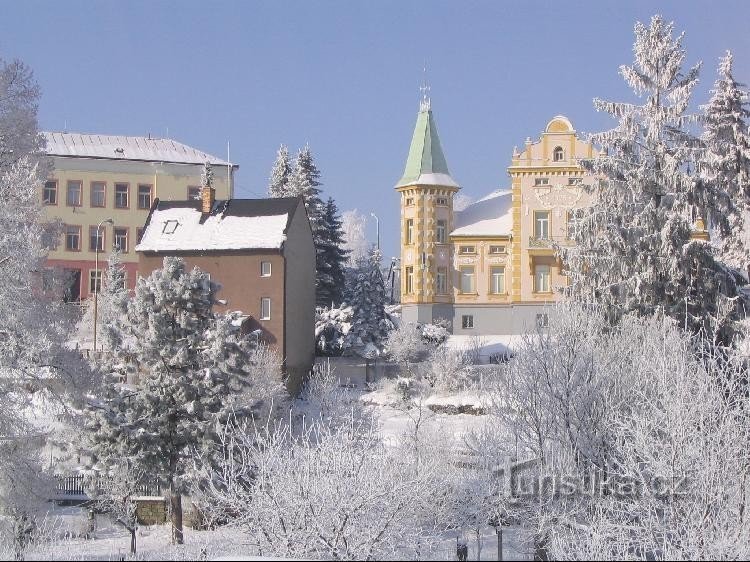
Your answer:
<point x="424" y="104"/>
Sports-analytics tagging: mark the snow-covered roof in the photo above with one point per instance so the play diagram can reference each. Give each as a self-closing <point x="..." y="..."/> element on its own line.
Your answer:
<point x="490" y="216"/>
<point x="117" y="147"/>
<point x="234" y="224"/>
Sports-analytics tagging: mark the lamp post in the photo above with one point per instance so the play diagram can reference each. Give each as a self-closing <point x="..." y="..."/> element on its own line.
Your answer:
<point x="377" y="227"/>
<point x="99" y="276"/>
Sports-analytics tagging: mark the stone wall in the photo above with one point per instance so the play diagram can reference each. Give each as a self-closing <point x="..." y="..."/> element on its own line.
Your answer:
<point x="151" y="510"/>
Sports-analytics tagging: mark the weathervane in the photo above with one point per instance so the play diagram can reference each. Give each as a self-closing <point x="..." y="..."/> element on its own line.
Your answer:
<point x="424" y="104"/>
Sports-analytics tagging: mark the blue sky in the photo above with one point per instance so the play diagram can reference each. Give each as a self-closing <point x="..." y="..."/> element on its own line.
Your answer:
<point x="344" y="77"/>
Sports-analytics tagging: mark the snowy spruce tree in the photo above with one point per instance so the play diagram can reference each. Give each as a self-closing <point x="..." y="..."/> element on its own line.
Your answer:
<point x="724" y="194"/>
<point x="278" y="183"/>
<point x="634" y="247"/>
<point x="190" y="374"/>
<point x="331" y="265"/>
<point x="369" y="323"/>
<point x="207" y="175"/>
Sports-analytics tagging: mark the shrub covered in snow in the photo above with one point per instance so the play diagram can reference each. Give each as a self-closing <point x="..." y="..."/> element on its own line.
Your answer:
<point x="331" y="327"/>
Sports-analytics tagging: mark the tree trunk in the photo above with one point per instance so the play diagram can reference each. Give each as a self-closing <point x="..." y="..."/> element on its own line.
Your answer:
<point x="132" y="541"/>
<point x="175" y="503"/>
<point x="499" y="531"/>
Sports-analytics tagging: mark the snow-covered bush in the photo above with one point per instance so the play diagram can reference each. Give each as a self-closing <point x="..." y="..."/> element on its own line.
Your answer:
<point x="446" y="369"/>
<point x="331" y="327"/>
<point x="437" y="332"/>
<point x="405" y="346"/>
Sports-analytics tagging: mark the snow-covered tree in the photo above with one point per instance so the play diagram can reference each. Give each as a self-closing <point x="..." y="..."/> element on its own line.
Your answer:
<point x="305" y="182"/>
<point x="724" y="194"/>
<point x="331" y="327"/>
<point x="19" y="99"/>
<point x="333" y="492"/>
<point x="207" y="175"/>
<point x="634" y="248"/>
<point x="354" y="225"/>
<point x="332" y="257"/>
<point x="369" y="322"/>
<point x="192" y="371"/>
<point x="278" y="182"/>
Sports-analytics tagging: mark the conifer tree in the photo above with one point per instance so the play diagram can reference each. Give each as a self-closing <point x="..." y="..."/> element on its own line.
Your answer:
<point x="278" y="183"/>
<point x="305" y="182"/>
<point x="191" y="373"/>
<point x="331" y="278"/>
<point x="724" y="194"/>
<point x="634" y="247"/>
<point x="207" y="175"/>
<point x="369" y="323"/>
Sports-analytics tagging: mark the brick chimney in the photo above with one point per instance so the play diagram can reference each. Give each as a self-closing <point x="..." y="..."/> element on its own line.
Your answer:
<point x="208" y="196"/>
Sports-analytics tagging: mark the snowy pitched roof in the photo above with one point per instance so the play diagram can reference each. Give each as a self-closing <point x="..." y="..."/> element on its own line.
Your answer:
<point x="490" y="216"/>
<point x="426" y="163"/>
<point x="115" y="147"/>
<point x="233" y="224"/>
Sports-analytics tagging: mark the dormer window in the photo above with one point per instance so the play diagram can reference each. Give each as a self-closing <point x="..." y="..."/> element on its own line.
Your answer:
<point x="170" y="226"/>
<point x="559" y="154"/>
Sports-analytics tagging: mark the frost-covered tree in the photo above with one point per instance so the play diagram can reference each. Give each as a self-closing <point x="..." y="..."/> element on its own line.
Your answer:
<point x="305" y="182"/>
<point x="278" y="182"/>
<point x="369" y="322"/>
<point x="207" y="175"/>
<point x="634" y="248"/>
<point x="19" y="99"/>
<point x="724" y="194"/>
<point x="192" y="372"/>
<point x="354" y="225"/>
<point x="332" y="257"/>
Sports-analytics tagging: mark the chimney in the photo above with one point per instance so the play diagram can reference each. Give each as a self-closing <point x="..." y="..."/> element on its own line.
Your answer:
<point x="208" y="193"/>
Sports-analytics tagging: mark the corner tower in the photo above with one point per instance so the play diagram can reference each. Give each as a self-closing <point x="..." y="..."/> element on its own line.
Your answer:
<point x="426" y="190"/>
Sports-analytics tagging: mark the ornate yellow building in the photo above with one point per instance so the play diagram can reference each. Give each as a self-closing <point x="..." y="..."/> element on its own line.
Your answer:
<point x="489" y="268"/>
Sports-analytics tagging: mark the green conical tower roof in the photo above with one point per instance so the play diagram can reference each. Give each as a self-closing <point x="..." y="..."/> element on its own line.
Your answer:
<point x="426" y="163"/>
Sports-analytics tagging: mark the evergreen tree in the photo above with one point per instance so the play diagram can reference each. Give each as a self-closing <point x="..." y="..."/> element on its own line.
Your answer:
<point x="305" y="182"/>
<point x="278" y="183"/>
<point x="331" y="279"/>
<point x="634" y="250"/>
<point x="369" y="323"/>
<point x="192" y="374"/>
<point x="724" y="195"/>
<point x="207" y="175"/>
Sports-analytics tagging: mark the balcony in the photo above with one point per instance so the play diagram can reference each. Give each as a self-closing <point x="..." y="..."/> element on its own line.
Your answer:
<point x="536" y="242"/>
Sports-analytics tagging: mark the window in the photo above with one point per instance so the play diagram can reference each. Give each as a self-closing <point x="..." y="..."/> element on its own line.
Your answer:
<point x="72" y="238"/>
<point x="558" y="154"/>
<point x="541" y="225"/>
<point x="122" y="192"/>
<point x="542" y="320"/>
<point x="497" y="280"/>
<point x="265" y="269"/>
<point x="170" y="226"/>
<point x="441" y="281"/>
<point x="409" y="276"/>
<point x="138" y="234"/>
<point x="467" y="321"/>
<point x="575" y="181"/>
<point x="49" y="193"/>
<point x="541" y="181"/>
<point x="467" y="250"/>
<point x="144" y="196"/>
<point x="442" y="228"/>
<point x="442" y="201"/>
<point x="194" y="192"/>
<point x="95" y="280"/>
<point x="120" y="239"/>
<point x="409" y="201"/>
<point x="541" y="279"/>
<point x="73" y="197"/>
<point x="97" y="193"/>
<point x="265" y="308"/>
<point x="497" y="249"/>
<point x="467" y="279"/>
<point x="96" y="239"/>
<point x="410" y="231"/>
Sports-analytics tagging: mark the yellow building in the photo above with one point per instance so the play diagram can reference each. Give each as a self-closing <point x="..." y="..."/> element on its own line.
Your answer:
<point x="489" y="268"/>
<point x="100" y="177"/>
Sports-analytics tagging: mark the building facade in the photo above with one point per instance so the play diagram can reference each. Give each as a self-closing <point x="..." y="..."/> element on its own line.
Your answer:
<point x="489" y="268"/>
<point x="100" y="177"/>
<point x="260" y="251"/>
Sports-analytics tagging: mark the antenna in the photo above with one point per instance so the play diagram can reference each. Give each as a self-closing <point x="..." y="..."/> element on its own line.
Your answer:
<point x="65" y="126"/>
<point x="424" y="104"/>
<point x="229" y="174"/>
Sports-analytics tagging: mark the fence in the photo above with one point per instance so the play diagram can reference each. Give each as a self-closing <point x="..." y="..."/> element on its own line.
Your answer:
<point x="77" y="485"/>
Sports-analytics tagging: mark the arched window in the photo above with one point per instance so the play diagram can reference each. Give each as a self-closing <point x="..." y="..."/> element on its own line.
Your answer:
<point x="558" y="154"/>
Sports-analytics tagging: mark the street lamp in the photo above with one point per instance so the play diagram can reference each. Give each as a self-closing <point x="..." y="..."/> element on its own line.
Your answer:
<point x="99" y="276"/>
<point x="377" y="226"/>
